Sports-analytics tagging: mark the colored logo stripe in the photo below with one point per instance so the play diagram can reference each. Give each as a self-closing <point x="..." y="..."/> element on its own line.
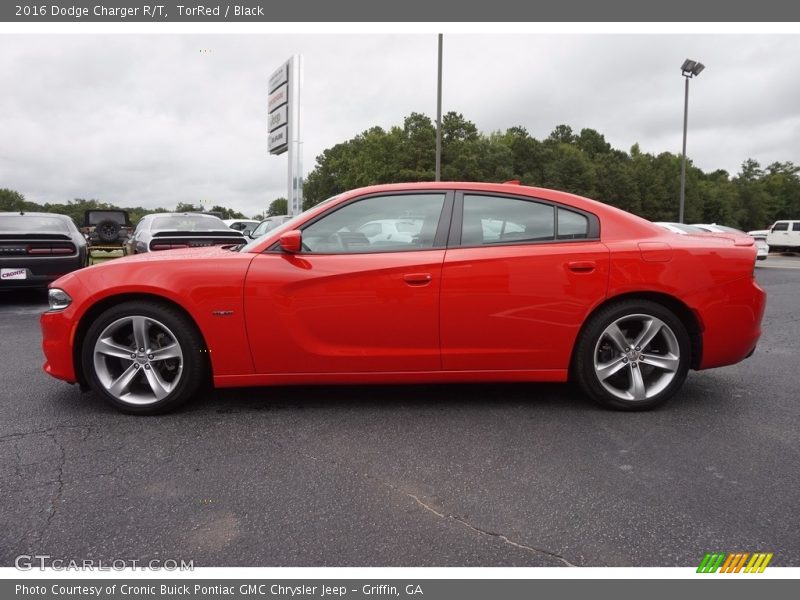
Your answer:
<point x="734" y="562"/>
<point x="711" y="563"/>
<point x="758" y="563"/>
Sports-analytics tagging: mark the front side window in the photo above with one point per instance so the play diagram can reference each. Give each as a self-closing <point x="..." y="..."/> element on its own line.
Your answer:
<point x="392" y="223"/>
<point x="497" y="220"/>
<point x="781" y="226"/>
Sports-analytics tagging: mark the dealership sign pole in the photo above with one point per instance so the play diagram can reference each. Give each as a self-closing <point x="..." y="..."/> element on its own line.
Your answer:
<point x="283" y="126"/>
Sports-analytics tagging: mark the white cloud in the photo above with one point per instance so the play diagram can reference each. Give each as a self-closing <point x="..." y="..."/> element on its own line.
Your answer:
<point x="151" y="120"/>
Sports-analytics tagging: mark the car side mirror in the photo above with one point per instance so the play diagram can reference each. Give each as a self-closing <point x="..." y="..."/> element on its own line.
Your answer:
<point x="291" y="241"/>
<point x="246" y="232"/>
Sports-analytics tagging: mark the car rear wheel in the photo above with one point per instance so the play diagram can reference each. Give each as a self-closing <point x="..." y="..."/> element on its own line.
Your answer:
<point x="632" y="355"/>
<point x="144" y="357"/>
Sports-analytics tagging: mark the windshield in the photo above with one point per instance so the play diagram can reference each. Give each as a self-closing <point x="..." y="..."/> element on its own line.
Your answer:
<point x="188" y="223"/>
<point x="287" y="226"/>
<point x="97" y="217"/>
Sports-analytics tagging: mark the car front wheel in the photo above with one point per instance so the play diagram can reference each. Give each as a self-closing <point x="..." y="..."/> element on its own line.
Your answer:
<point x="632" y="355"/>
<point x="144" y="357"/>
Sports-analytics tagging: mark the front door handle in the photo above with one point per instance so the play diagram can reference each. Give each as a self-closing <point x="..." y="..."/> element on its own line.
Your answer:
<point x="417" y="278"/>
<point x="582" y="266"/>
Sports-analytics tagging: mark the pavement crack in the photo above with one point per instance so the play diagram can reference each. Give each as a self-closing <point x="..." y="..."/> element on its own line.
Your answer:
<point x="455" y="518"/>
<point x="59" y="481"/>
<point x="505" y="539"/>
<point x="49" y="431"/>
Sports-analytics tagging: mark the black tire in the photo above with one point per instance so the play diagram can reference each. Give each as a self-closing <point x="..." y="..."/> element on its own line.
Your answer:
<point x="149" y="381"/>
<point x="634" y="379"/>
<point x="107" y="231"/>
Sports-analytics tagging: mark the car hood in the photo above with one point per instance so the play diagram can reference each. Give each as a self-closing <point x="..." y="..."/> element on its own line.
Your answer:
<point x="180" y="254"/>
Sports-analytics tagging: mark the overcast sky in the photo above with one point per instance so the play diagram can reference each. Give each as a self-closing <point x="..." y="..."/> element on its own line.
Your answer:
<point x="151" y="120"/>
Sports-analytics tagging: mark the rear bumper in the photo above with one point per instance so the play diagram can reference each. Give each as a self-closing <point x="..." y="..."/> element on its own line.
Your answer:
<point x="39" y="272"/>
<point x="731" y="321"/>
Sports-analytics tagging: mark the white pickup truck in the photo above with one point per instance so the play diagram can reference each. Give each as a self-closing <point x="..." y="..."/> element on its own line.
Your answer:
<point x="784" y="235"/>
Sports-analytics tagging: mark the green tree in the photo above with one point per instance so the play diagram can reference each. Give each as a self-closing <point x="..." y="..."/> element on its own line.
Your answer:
<point x="11" y="201"/>
<point x="279" y="206"/>
<point x="188" y="207"/>
<point x="227" y="213"/>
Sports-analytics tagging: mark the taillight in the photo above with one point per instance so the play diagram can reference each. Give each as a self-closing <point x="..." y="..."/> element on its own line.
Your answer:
<point x="51" y="250"/>
<point x="155" y="247"/>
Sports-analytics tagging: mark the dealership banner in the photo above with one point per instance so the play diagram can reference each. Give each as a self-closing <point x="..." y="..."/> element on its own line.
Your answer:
<point x="423" y="589"/>
<point x="266" y="11"/>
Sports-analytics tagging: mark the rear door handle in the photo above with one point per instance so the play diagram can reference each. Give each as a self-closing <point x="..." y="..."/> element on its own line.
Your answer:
<point x="582" y="266"/>
<point x="417" y="278"/>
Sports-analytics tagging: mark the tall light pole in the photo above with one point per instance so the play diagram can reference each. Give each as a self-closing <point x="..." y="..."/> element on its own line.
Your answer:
<point x="689" y="69"/>
<point x="439" y="116"/>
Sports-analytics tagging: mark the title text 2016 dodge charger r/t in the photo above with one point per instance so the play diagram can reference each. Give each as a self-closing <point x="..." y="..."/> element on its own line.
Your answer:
<point x="500" y="282"/>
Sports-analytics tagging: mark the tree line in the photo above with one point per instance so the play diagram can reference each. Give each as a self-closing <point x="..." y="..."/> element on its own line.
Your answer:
<point x="582" y="163"/>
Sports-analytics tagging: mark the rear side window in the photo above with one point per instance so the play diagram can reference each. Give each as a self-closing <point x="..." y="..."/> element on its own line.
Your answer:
<point x="500" y="220"/>
<point x="796" y="226"/>
<point x="496" y="220"/>
<point x="572" y="225"/>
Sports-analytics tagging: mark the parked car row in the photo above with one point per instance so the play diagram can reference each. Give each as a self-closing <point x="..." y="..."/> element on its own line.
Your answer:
<point x="762" y="247"/>
<point x="36" y="248"/>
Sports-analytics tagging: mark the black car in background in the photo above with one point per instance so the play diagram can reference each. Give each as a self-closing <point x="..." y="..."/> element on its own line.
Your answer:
<point x="165" y="231"/>
<point x="37" y="248"/>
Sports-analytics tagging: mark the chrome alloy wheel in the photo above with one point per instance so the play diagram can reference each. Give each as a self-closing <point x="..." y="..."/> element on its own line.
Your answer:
<point x="636" y="357"/>
<point x="138" y="360"/>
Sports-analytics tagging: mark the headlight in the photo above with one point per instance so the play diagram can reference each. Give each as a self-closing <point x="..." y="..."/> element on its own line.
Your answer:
<point x="59" y="299"/>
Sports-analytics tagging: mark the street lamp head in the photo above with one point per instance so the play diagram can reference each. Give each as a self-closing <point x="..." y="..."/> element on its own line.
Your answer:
<point x="691" y="68"/>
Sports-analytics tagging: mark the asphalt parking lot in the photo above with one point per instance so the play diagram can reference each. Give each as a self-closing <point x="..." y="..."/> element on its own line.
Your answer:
<point x="467" y="475"/>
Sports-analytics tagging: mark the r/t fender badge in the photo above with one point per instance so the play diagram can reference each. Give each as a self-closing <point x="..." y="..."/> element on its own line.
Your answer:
<point x="222" y="313"/>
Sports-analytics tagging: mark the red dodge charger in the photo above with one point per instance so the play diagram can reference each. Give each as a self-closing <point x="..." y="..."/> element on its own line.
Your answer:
<point x="410" y="283"/>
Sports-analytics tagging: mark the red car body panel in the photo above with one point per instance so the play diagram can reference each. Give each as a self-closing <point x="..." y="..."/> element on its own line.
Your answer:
<point x="509" y="312"/>
<point x="511" y="307"/>
<point x="348" y="312"/>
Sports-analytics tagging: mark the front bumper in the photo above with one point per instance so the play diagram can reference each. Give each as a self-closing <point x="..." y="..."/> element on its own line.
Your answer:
<point x="58" y="335"/>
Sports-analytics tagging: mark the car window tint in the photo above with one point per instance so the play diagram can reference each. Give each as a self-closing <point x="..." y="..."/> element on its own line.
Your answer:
<point x="795" y="226"/>
<point x="392" y="223"/>
<point x="572" y="225"/>
<point x="780" y="226"/>
<point x="32" y="223"/>
<point x="495" y="220"/>
<point x="188" y="223"/>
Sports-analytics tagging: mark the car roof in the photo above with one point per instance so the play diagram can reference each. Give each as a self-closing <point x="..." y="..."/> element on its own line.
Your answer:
<point x="182" y="214"/>
<point x="35" y="214"/>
